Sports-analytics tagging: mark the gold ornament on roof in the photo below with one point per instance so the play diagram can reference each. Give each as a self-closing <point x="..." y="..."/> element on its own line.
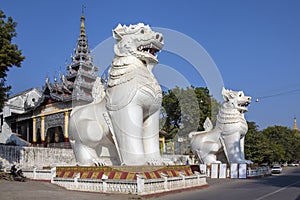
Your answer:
<point x="82" y="27"/>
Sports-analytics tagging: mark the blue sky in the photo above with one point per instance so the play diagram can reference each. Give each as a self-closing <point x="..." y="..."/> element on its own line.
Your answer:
<point x="254" y="44"/>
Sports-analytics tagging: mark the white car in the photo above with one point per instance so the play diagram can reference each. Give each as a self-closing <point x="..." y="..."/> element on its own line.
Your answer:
<point x="293" y="164"/>
<point x="276" y="169"/>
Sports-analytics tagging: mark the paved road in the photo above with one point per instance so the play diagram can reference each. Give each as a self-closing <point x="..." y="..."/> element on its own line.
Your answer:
<point x="284" y="186"/>
<point x="277" y="187"/>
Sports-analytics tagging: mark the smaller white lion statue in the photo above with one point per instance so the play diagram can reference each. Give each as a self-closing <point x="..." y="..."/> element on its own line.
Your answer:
<point x="229" y="132"/>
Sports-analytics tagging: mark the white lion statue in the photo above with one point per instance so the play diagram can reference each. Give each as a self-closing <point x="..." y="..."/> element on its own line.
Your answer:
<point x="125" y="122"/>
<point x="229" y="132"/>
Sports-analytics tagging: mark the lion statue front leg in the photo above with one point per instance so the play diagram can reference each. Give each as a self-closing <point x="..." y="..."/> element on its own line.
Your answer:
<point x="127" y="127"/>
<point x="234" y="148"/>
<point x="137" y="131"/>
<point x="151" y="139"/>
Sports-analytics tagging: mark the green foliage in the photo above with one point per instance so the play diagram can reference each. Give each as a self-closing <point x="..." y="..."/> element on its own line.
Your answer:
<point x="273" y="144"/>
<point x="255" y="144"/>
<point x="171" y="114"/>
<point x="204" y="103"/>
<point x="10" y="55"/>
<point x="281" y="143"/>
<point x="185" y="110"/>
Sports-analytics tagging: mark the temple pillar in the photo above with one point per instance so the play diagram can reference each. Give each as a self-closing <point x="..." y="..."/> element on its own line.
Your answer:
<point x="27" y="132"/>
<point x="34" y="130"/>
<point x="43" y="130"/>
<point x="56" y="134"/>
<point x="162" y="144"/>
<point x="66" y="126"/>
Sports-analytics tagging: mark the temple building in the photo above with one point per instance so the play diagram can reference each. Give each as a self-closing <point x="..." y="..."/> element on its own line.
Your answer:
<point x="40" y="116"/>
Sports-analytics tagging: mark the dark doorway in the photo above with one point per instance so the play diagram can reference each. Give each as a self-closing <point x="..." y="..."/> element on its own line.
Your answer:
<point x="54" y="135"/>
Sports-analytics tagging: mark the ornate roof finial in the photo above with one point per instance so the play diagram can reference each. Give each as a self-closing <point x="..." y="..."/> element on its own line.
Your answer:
<point x="82" y="28"/>
<point x="295" y="124"/>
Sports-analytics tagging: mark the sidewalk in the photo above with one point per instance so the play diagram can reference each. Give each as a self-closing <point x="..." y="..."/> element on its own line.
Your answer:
<point x="45" y="190"/>
<point x="39" y="190"/>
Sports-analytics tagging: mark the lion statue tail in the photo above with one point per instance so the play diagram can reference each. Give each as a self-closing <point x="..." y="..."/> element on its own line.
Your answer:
<point x="208" y="126"/>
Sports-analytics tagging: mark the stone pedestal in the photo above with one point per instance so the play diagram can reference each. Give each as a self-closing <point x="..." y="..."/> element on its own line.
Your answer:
<point x="140" y="180"/>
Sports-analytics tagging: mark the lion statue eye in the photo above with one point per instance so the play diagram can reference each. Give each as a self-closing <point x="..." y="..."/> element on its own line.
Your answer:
<point x="142" y="31"/>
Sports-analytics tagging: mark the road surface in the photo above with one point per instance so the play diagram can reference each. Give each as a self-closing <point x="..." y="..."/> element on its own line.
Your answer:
<point x="285" y="186"/>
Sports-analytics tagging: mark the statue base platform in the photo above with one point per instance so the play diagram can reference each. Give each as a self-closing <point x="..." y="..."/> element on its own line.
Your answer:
<point x="128" y="179"/>
<point x="124" y="172"/>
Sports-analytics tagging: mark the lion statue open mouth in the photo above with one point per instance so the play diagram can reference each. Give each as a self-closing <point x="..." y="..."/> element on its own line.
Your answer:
<point x="229" y="132"/>
<point x="124" y="123"/>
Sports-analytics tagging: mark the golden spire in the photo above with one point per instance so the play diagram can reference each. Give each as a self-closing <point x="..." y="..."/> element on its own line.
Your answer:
<point x="295" y="124"/>
<point x="82" y="28"/>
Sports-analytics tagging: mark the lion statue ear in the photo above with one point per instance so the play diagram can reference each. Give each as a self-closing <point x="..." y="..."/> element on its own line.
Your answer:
<point x="226" y="94"/>
<point x="117" y="32"/>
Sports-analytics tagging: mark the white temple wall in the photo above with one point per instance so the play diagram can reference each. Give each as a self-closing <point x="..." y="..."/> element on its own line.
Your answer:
<point x="29" y="157"/>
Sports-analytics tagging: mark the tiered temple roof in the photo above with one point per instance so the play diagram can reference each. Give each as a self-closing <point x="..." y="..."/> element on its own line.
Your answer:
<point x="77" y="84"/>
<point x="41" y="116"/>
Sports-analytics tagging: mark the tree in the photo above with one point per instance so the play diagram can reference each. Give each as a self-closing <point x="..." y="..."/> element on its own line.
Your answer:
<point x="256" y="145"/>
<point x="273" y="144"/>
<point x="185" y="110"/>
<point x="10" y="55"/>
<point x="171" y="114"/>
<point x="208" y="106"/>
<point x="189" y="110"/>
<point x="297" y="145"/>
<point x="281" y="142"/>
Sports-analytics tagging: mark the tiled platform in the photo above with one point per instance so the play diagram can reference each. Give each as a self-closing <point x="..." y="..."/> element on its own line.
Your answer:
<point x="124" y="172"/>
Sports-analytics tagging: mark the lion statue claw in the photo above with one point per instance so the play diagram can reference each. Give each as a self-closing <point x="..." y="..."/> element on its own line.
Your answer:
<point x="124" y="123"/>
<point x="229" y="132"/>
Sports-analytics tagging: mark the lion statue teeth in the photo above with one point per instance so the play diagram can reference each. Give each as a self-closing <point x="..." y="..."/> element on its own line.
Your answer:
<point x="125" y="121"/>
<point x="229" y="132"/>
